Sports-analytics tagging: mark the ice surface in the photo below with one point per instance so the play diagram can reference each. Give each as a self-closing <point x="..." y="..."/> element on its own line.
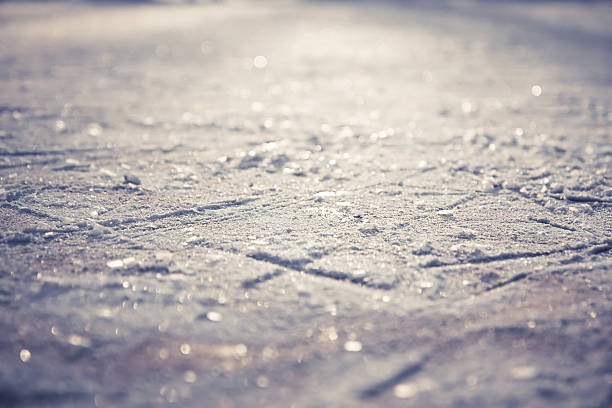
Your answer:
<point x="305" y="204"/>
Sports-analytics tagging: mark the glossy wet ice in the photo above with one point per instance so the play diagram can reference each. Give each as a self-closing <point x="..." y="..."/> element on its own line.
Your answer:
<point x="304" y="204"/>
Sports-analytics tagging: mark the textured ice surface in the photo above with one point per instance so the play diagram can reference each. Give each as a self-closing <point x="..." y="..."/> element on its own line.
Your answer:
<point x="305" y="204"/>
